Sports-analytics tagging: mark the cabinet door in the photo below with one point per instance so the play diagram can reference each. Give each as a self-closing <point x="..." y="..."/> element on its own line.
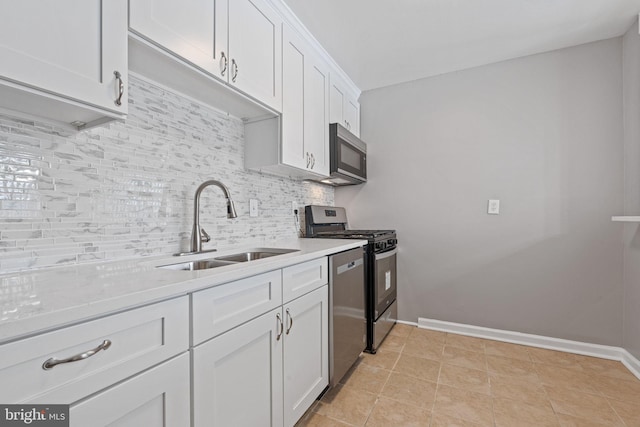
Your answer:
<point x="306" y="352"/>
<point x="294" y="58"/>
<point x="316" y="115"/>
<point x="195" y="30"/>
<point x="158" y="397"/>
<point x="237" y="377"/>
<point x="352" y="116"/>
<point x="336" y="104"/>
<point x="68" y="47"/>
<point x="255" y="50"/>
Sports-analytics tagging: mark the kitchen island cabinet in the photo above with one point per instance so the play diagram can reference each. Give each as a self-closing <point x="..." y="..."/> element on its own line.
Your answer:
<point x="65" y="60"/>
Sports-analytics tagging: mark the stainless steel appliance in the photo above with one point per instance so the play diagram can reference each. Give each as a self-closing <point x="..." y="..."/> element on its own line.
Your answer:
<point x="347" y="327"/>
<point x="348" y="157"/>
<point x="380" y="267"/>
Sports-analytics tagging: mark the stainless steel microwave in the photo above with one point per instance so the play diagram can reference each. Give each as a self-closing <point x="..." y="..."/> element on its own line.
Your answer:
<point x="348" y="157"/>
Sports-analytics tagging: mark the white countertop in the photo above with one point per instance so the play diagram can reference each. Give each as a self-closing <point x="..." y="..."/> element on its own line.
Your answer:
<point x="35" y="301"/>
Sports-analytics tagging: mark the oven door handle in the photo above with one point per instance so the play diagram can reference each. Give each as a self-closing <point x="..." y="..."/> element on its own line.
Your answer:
<point x="384" y="255"/>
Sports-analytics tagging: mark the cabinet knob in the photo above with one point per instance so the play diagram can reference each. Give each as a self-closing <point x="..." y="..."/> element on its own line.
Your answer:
<point x="120" y="86"/>
<point x="223" y="63"/>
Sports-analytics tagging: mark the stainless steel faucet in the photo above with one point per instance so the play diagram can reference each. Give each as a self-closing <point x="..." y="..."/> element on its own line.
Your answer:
<point x="198" y="235"/>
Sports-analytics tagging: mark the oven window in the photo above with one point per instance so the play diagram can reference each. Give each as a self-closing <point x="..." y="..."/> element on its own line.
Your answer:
<point x="385" y="285"/>
<point x="349" y="156"/>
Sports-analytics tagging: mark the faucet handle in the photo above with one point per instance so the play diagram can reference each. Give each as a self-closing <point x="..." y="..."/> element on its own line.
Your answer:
<point x="204" y="236"/>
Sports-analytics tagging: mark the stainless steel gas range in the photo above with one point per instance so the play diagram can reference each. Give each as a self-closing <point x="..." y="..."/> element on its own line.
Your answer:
<point x="380" y="288"/>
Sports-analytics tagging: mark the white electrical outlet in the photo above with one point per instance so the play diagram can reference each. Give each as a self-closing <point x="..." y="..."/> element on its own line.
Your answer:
<point x="253" y="207"/>
<point x="493" y="207"/>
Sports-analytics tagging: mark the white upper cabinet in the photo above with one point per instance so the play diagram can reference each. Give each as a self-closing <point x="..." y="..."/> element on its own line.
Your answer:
<point x="305" y="106"/>
<point x="297" y="143"/>
<point x="344" y="107"/>
<point x="237" y="41"/>
<point x="195" y="30"/>
<point x="66" y="50"/>
<point x="255" y="50"/>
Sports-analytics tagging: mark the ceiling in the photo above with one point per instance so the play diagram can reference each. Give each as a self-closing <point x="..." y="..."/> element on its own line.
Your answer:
<point x="381" y="43"/>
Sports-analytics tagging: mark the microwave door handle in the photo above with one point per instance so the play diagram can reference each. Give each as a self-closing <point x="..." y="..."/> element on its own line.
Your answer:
<point x="385" y="255"/>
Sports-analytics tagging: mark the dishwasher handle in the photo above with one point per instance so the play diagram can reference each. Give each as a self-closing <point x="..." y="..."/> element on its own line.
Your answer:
<point x="349" y="266"/>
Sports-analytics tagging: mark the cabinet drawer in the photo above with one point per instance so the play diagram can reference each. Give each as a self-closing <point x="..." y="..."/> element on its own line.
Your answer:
<point x="223" y="307"/>
<point x="139" y="338"/>
<point x="299" y="279"/>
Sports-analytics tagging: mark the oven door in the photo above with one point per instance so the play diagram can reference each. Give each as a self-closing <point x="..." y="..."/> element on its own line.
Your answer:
<point x="385" y="281"/>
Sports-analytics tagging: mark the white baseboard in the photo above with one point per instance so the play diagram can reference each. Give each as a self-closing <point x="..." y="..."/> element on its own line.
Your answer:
<point x="577" y="347"/>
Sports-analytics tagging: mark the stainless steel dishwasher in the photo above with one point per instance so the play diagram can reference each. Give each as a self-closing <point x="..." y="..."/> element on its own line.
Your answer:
<point x="347" y="321"/>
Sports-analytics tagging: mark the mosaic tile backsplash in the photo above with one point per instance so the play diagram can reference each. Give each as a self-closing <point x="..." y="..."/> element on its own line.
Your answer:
<point x="126" y="189"/>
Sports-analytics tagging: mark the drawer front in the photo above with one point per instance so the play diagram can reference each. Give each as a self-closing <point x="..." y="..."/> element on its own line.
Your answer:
<point x="139" y="339"/>
<point x="300" y="279"/>
<point x="223" y="307"/>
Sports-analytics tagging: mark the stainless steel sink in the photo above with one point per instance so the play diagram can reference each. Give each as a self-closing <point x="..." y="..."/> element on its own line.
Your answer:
<point x="205" y="264"/>
<point x="202" y="264"/>
<point x="254" y="255"/>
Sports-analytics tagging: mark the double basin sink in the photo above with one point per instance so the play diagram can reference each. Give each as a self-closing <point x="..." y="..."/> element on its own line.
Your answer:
<point x="221" y="261"/>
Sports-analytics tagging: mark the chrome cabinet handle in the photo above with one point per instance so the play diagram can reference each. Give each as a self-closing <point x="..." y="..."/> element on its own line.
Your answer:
<point x="223" y="68"/>
<point x="234" y="70"/>
<point x="280" y="326"/>
<point x="118" y="100"/>
<point x="308" y="159"/>
<point x="313" y="160"/>
<point x="51" y="363"/>
<point x="290" y="321"/>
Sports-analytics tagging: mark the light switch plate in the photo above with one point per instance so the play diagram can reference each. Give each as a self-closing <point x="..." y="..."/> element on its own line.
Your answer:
<point x="493" y="207"/>
<point x="253" y="207"/>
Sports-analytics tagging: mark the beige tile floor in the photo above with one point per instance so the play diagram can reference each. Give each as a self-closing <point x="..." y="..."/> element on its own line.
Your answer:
<point x="427" y="378"/>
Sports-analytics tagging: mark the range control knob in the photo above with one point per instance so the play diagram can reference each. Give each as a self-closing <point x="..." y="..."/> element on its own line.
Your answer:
<point x="380" y="246"/>
<point x="392" y="242"/>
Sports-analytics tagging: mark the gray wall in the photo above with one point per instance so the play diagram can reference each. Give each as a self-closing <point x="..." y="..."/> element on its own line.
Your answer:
<point x="544" y="135"/>
<point x="631" y="76"/>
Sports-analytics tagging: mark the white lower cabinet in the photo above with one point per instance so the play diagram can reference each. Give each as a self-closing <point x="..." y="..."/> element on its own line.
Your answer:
<point x="267" y="371"/>
<point x="158" y="397"/>
<point x="125" y="369"/>
<point x="236" y="374"/>
<point x="306" y="363"/>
